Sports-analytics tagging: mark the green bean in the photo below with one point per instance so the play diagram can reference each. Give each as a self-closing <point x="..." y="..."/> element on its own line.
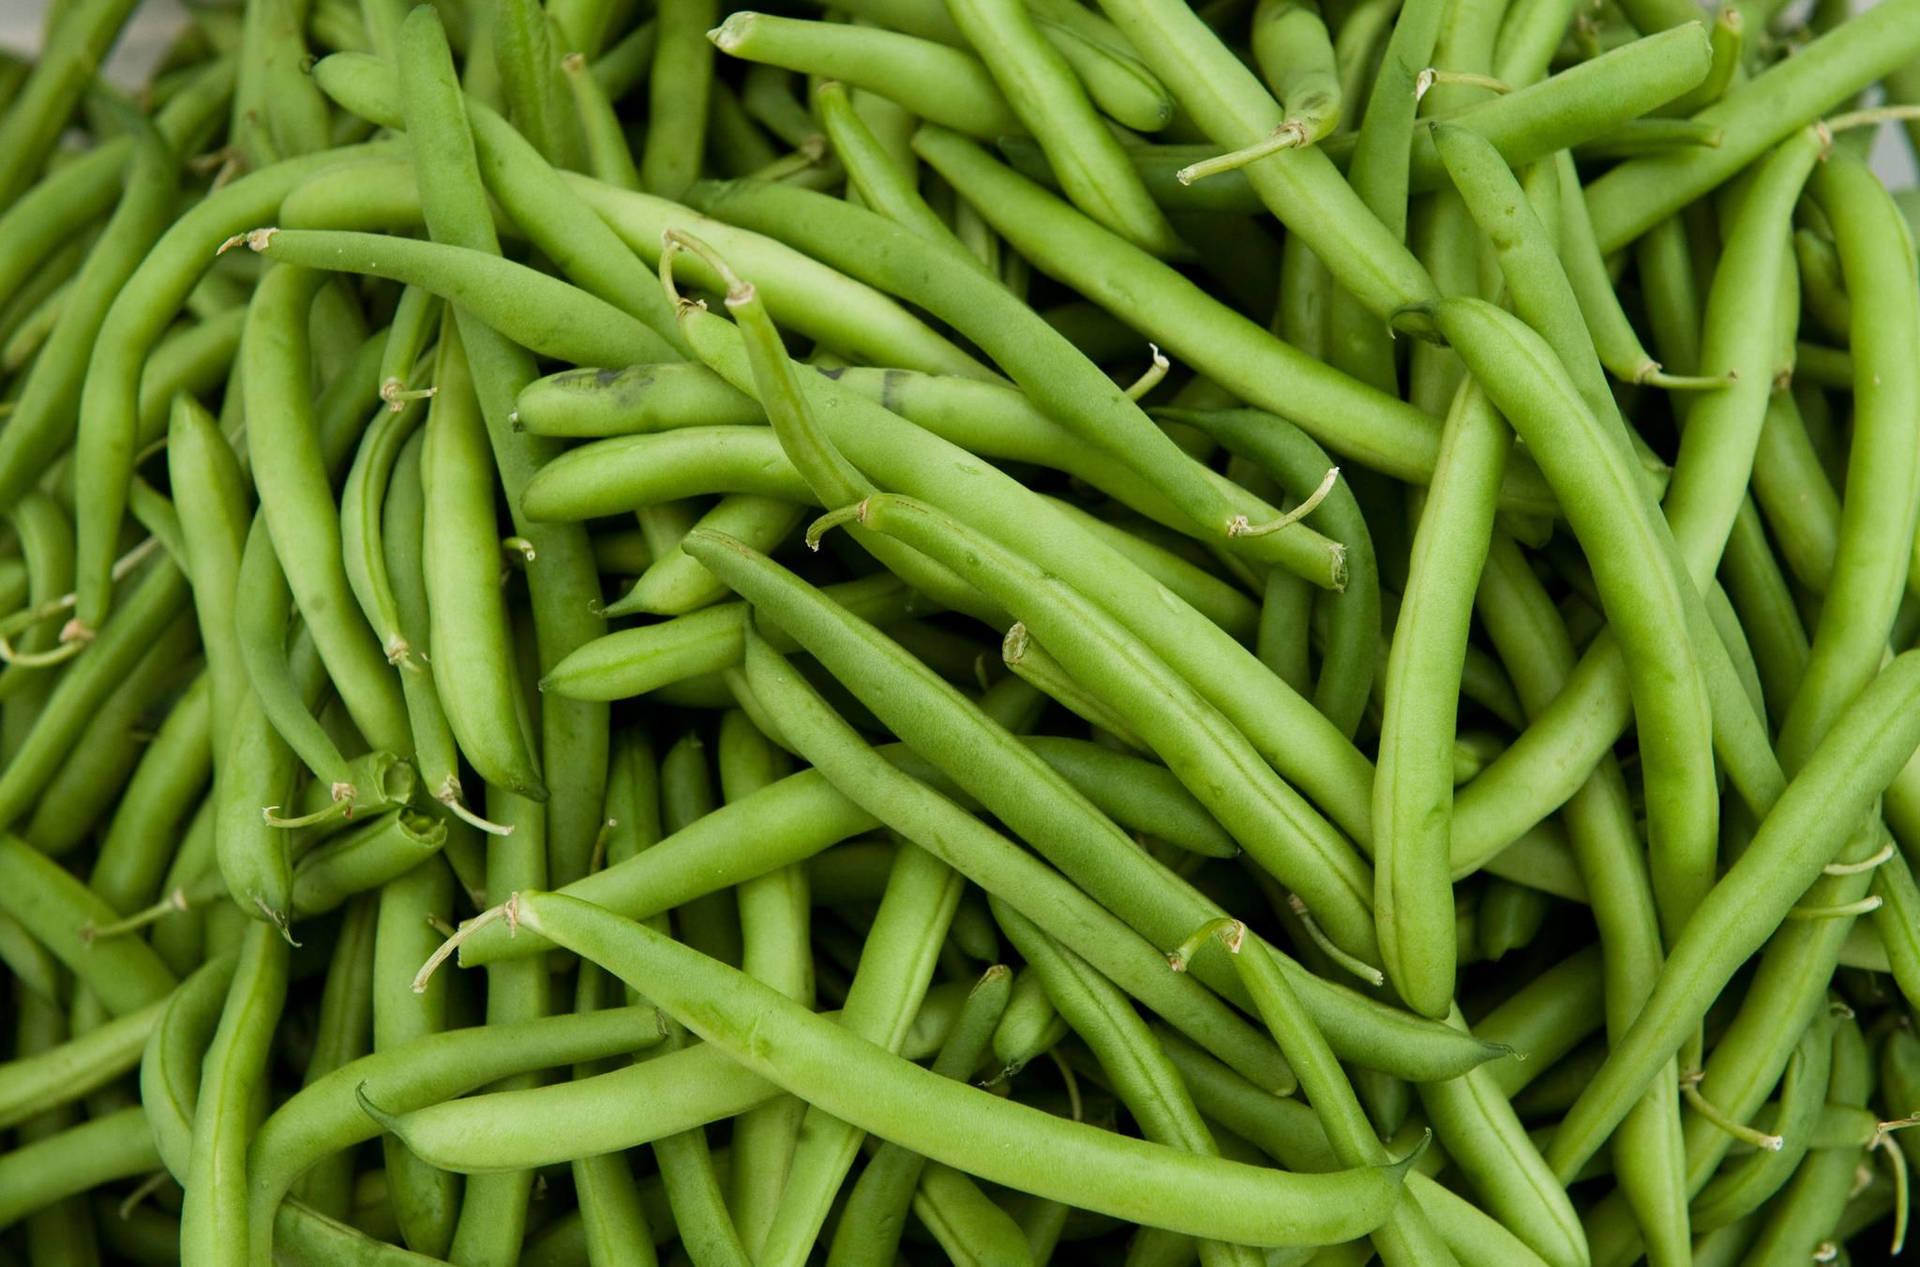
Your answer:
<point x="682" y="76"/>
<point x="104" y="754"/>
<point x="987" y="858"/>
<point x="1355" y="421"/>
<point x="297" y="506"/>
<point x="1650" y="611"/>
<point x="904" y="1101"/>
<point x="1068" y="387"/>
<point x="1265" y="815"/>
<point x="31" y="1083"/>
<point x="545" y="315"/>
<point x="1413" y="789"/>
<point x="633" y="662"/>
<point x="141" y="311"/>
<point x="425" y="1200"/>
<point x="773" y="924"/>
<point x="364" y="858"/>
<point x="1867" y="577"/>
<point x="870" y="1226"/>
<point x="1808" y="1208"/>
<point x="1295" y="56"/>
<point x="344" y="1031"/>
<point x="1759" y="113"/>
<point x="35" y="1175"/>
<point x="42" y="420"/>
<point x="325" y="1117"/>
<point x="34" y="121"/>
<point x="277" y="112"/>
<point x="641" y="398"/>
<point x="468" y="631"/>
<point x="1724" y="427"/>
<point x="214" y="1220"/>
<point x="1741" y="1188"/>
<point x="1809" y="824"/>
<point x="57" y="909"/>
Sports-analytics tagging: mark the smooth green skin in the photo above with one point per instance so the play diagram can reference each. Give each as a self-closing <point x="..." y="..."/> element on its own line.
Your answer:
<point x="675" y="584"/>
<point x="154" y="599"/>
<point x="666" y="1093"/>
<point x="548" y="316"/>
<point x="564" y="588"/>
<point x="531" y="191"/>
<point x="325" y="1117"/>
<point x="1273" y="822"/>
<point x="868" y="1233"/>
<point x="628" y="472"/>
<point x="931" y="80"/>
<point x="297" y="504"/>
<point x="1067" y="386"/>
<point x="1758" y="114"/>
<point x="677" y="97"/>
<point x="1792" y="490"/>
<point x="43" y="417"/>
<point x="1003" y="1142"/>
<point x="1302" y="188"/>
<point x="608" y="157"/>
<point x="277" y="112"/>
<point x="145" y="306"/>
<point x="1723" y="432"/>
<point x="804" y="294"/>
<point x="1136" y="1070"/>
<point x="1744" y="1186"/>
<point x="425" y="1200"/>
<point x="988" y="858"/>
<point x="1352" y="640"/>
<point x="633" y="662"/>
<point x="1355" y="421"/>
<point x="883" y="185"/>
<point x="402" y="536"/>
<point x="970" y="1227"/>
<point x="1809" y="824"/>
<point x="1589" y="99"/>
<point x="471" y="655"/>
<point x="1413" y="782"/>
<point x="1477" y="1125"/>
<point x="1050" y="102"/>
<point x="96" y="771"/>
<point x="1809" y="1208"/>
<point x="33" y="1083"/>
<point x="1645" y="591"/>
<point x="214" y="1215"/>
<point x="35" y="1175"/>
<point x="168" y="783"/>
<point x="262" y="602"/>
<point x="361" y="500"/>
<point x="1407" y="1237"/>
<point x="529" y="78"/>
<point x="1765" y="607"/>
<point x="1524" y="624"/>
<point x="776" y="948"/>
<point x="937" y="721"/>
<point x="1615" y="341"/>
<point x="258" y="768"/>
<point x="1878" y="508"/>
<point x="1300" y="743"/>
<point x="1356" y="341"/>
<point x="1295" y="56"/>
<point x="416" y="320"/>
<point x="364" y="858"/>
<point x="343" y="1030"/>
<point x="34" y="118"/>
<point x="888" y="989"/>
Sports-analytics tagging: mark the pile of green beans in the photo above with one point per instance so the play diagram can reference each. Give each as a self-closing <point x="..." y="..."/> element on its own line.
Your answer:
<point x="1253" y="632"/>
